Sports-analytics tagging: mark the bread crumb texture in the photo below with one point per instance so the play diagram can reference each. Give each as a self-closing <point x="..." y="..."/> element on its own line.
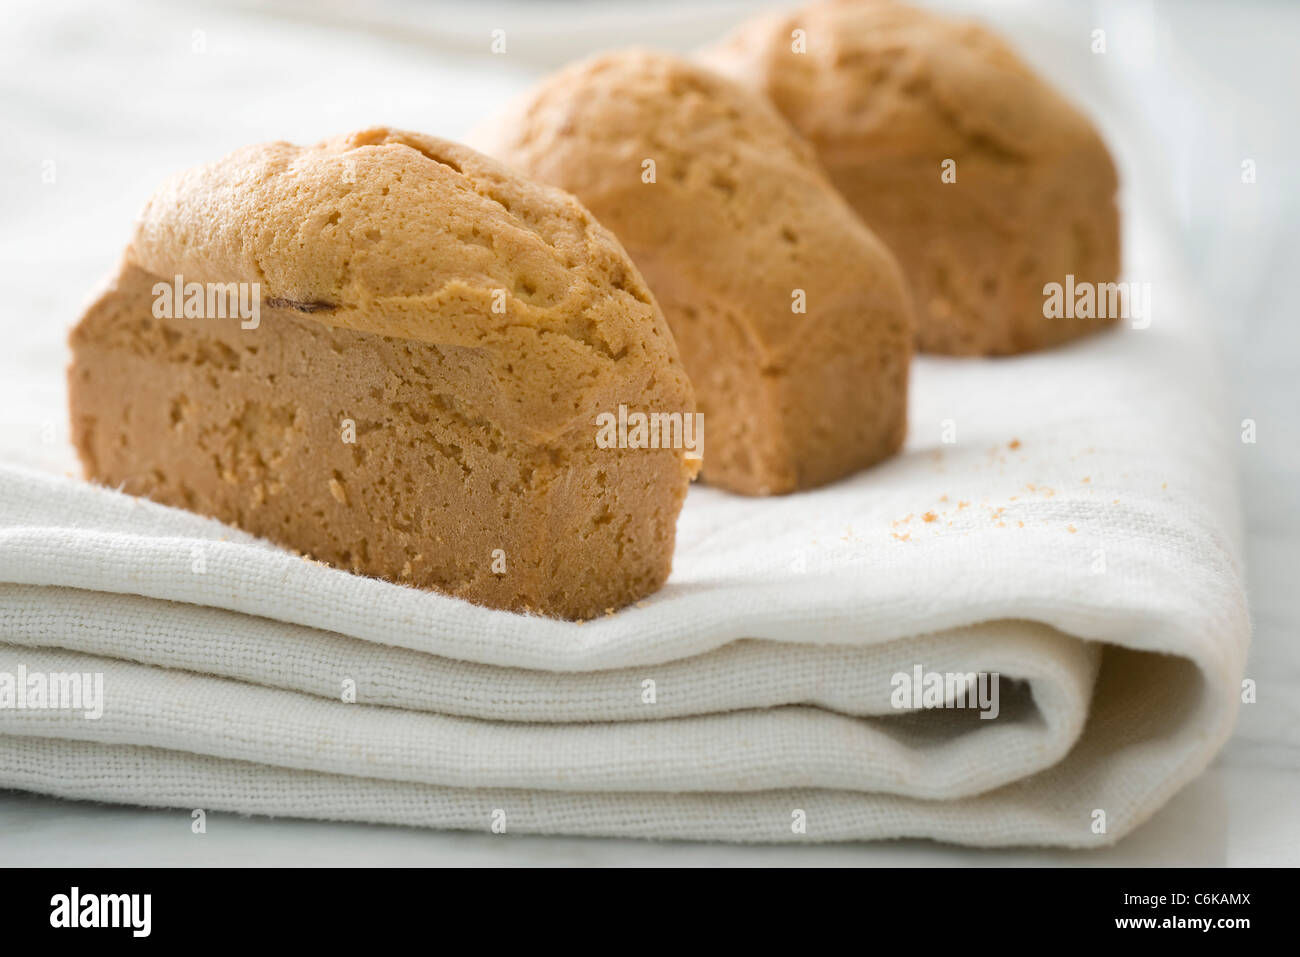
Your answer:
<point x="889" y="95"/>
<point x="791" y="316"/>
<point x="419" y="399"/>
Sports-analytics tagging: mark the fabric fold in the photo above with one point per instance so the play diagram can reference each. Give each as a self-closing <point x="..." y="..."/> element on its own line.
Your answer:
<point x="1064" y="519"/>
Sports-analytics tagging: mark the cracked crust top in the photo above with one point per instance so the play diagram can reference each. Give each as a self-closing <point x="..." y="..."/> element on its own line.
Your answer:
<point x="414" y="237"/>
<point x="882" y="75"/>
<point x="733" y="185"/>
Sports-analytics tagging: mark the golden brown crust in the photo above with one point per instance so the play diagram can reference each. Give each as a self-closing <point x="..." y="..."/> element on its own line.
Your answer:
<point x="732" y="225"/>
<point x="886" y="93"/>
<point x="406" y="235"/>
<point x="468" y="324"/>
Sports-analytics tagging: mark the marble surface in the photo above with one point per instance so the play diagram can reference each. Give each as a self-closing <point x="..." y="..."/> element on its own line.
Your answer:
<point x="113" y="100"/>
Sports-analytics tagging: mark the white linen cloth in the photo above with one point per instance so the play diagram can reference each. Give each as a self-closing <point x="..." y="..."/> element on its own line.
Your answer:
<point x="1077" y="536"/>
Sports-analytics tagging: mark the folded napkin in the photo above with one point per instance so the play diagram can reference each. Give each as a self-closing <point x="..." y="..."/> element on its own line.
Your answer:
<point x="1066" y="520"/>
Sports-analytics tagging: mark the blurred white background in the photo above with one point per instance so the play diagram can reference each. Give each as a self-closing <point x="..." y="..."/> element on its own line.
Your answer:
<point x="101" y="102"/>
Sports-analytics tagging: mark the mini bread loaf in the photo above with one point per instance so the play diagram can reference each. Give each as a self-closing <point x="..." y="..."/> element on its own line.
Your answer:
<point x="792" y="318"/>
<point x="416" y="396"/>
<point x="986" y="184"/>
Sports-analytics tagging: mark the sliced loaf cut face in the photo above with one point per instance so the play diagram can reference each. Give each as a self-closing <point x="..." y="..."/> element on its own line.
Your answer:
<point x="419" y="396"/>
<point x="792" y="317"/>
<point x="987" y="184"/>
